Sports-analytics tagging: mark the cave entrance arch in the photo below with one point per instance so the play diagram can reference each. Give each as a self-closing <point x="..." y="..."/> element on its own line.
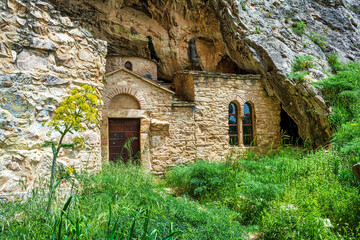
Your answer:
<point x="289" y="130"/>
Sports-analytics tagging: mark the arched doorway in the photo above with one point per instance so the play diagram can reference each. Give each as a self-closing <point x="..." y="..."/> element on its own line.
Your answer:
<point x="124" y="133"/>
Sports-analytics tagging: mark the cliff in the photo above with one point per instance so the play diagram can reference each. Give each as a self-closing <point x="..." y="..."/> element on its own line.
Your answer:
<point x="234" y="37"/>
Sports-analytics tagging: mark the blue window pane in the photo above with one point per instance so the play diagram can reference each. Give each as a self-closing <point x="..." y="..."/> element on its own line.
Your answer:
<point x="232" y="108"/>
<point x="246" y="109"/>
<point x="232" y="120"/>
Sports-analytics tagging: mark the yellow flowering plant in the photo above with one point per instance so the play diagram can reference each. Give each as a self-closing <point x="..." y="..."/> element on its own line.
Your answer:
<point x="72" y="115"/>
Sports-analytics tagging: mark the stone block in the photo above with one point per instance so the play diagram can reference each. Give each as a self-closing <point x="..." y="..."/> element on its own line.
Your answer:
<point x="50" y="80"/>
<point x="29" y="60"/>
<point x="43" y="44"/>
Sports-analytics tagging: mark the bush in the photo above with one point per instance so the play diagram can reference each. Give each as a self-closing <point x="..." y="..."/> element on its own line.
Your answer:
<point x="300" y="68"/>
<point x="335" y="64"/>
<point x="201" y="180"/>
<point x="318" y="39"/>
<point x="298" y="27"/>
<point x="297" y="76"/>
<point x="342" y="91"/>
<point x="303" y="63"/>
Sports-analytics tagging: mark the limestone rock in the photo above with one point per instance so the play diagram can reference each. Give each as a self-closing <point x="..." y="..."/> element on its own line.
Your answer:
<point x="30" y="60"/>
<point x="50" y="80"/>
<point x="233" y="37"/>
<point x="42" y="44"/>
<point x="39" y="61"/>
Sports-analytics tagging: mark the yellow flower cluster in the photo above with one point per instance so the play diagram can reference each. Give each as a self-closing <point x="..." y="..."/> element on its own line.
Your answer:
<point x="79" y="107"/>
<point x="70" y="170"/>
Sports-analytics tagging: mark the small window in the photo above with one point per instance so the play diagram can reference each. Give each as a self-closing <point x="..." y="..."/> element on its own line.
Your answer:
<point x="128" y="66"/>
<point x="233" y="125"/>
<point x="247" y="121"/>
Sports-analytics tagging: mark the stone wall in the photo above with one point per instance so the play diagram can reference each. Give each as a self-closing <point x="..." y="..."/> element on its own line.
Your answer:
<point x="144" y="67"/>
<point x="213" y="92"/>
<point x="173" y="131"/>
<point x="42" y="57"/>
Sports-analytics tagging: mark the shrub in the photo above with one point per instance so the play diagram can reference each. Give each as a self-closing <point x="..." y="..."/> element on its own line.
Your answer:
<point x="299" y="68"/>
<point x="298" y="27"/>
<point x="342" y="91"/>
<point x="297" y="76"/>
<point x="201" y="180"/>
<point x="303" y="63"/>
<point x="318" y="39"/>
<point x="335" y="64"/>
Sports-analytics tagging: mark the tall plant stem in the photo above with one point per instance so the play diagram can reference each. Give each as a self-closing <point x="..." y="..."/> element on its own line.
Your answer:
<point x="55" y="155"/>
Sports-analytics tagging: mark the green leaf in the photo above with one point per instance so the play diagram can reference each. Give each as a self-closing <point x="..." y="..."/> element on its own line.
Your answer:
<point x="146" y="224"/>
<point x="56" y="184"/>
<point x="67" y="145"/>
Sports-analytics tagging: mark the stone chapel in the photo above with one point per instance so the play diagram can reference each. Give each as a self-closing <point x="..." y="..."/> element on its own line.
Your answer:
<point x="202" y="115"/>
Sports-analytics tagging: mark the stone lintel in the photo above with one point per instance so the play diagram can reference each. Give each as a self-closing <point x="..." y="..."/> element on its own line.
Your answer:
<point x="184" y="104"/>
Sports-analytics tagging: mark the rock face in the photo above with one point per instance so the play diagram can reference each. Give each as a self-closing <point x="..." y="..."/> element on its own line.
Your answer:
<point x="42" y="57"/>
<point x="229" y="36"/>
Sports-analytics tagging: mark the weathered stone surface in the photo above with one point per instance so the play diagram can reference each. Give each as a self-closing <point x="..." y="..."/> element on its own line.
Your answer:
<point x="5" y="81"/>
<point x="30" y="60"/>
<point x="245" y="36"/>
<point x="85" y="55"/>
<point x="159" y="126"/>
<point x="43" y="44"/>
<point x="38" y="67"/>
<point x="50" y="80"/>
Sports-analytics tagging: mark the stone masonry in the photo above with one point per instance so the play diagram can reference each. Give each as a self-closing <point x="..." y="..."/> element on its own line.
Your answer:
<point x="42" y="57"/>
<point x="212" y="93"/>
<point x="193" y="122"/>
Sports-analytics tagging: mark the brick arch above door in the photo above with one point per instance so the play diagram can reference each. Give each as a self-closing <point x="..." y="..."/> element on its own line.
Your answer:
<point x="125" y="90"/>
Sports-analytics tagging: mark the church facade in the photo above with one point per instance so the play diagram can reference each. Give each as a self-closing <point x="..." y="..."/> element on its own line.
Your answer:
<point x="201" y="115"/>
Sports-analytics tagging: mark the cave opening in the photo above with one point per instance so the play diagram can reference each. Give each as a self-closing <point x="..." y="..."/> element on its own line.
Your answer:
<point x="289" y="130"/>
<point x="226" y="65"/>
<point x="151" y="47"/>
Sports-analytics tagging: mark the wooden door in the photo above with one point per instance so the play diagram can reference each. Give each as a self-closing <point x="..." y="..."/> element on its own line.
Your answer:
<point x="120" y="130"/>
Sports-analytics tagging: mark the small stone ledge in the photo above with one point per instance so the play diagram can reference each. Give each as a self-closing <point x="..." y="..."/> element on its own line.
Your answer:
<point x="223" y="75"/>
<point x="183" y="104"/>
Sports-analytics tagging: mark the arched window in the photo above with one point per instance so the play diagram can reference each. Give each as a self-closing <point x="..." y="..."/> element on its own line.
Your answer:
<point x="233" y="125"/>
<point x="128" y="66"/>
<point x="247" y="122"/>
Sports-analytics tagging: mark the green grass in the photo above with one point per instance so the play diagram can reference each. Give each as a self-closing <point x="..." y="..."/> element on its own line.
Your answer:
<point x="289" y="195"/>
<point x="120" y="200"/>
